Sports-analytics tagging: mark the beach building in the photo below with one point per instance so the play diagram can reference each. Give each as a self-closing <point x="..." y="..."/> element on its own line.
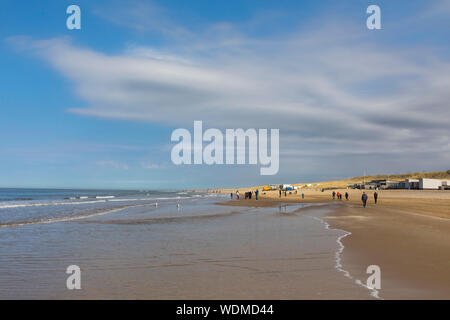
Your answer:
<point x="395" y="185"/>
<point x="412" y="183"/>
<point x="384" y="184"/>
<point x="433" y="184"/>
<point x="380" y="184"/>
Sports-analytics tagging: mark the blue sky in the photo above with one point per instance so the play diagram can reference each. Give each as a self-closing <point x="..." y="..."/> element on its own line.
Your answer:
<point x="95" y="108"/>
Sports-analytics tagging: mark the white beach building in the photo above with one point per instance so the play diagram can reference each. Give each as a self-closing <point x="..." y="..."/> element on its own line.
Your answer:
<point x="433" y="184"/>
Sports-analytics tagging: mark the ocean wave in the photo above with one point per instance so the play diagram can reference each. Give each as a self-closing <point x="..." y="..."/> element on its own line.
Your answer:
<point x="65" y="203"/>
<point x="17" y="199"/>
<point x="42" y="204"/>
<point x="65" y="219"/>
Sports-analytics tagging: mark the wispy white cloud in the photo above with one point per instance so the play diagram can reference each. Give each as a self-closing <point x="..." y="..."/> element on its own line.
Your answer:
<point x="329" y="92"/>
<point x="142" y="16"/>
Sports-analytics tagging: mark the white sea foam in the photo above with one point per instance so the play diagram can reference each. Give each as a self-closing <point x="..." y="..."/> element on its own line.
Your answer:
<point x="373" y="292"/>
<point x="40" y="204"/>
<point x="62" y="203"/>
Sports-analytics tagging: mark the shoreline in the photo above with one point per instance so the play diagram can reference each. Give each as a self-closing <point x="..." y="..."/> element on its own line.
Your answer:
<point x="339" y="253"/>
<point x="406" y="235"/>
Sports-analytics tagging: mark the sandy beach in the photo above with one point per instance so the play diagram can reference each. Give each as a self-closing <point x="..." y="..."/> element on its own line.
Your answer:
<point x="407" y="234"/>
<point x="188" y="247"/>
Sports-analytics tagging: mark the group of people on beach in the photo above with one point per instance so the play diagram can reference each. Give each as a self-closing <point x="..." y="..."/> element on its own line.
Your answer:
<point x="339" y="195"/>
<point x="290" y="192"/>
<point x="364" y="197"/>
<point x="247" y="195"/>
<point x="336" y="195"/>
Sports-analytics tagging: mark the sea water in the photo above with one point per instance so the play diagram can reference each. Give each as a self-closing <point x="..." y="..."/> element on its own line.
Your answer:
<point x="165" y="245"/>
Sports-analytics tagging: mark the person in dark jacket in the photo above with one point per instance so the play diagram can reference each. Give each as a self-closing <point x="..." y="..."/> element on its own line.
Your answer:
<point x="364" y="199"/>
<point x="256" y="194"/>
<point x="346" y="196"/>
<point x="375" y="197"/>
<point x="334" y="194"/>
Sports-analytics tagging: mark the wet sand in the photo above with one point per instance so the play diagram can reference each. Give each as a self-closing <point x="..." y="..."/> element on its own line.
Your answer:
<point x="196" y="251"/>
<point x="407" y="234"/>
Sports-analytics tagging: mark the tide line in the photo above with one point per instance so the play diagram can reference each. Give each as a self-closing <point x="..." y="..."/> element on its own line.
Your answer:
<point x="373" y="292"/>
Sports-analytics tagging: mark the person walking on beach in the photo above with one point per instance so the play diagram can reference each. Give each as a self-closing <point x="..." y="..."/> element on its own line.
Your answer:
<point x="364" y="199"/>
<point x="280" y="193"/>
<point x="231" y="195"/>
<point x="334" y="195"/>
<point x="256" y="194"/>
<point x="346" y="196"/>
<point x="237" y="194"/>
<point x="375" y="197"/>
<point x="303" y="196"/>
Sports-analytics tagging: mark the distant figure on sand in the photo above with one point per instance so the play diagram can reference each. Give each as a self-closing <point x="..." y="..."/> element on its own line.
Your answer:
<point x="280" y="193"/>
<point x="346" y="196"/>
<point x="231" y="195"/>
<point x="334" y="195"/>
<point x="237" y="194"/>
<point x="364" y="199"/>
<point x="303" y="196"/>
<point x="375" y="197"/>
<point x="256" y="194"/>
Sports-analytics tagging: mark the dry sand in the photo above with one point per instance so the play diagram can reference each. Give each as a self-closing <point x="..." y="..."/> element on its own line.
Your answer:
<point x="407" y="234"/>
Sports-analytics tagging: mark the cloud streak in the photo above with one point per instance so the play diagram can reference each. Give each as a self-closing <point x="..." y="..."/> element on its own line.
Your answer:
<point x="329" y="92"/>
<point x="113" y="164"/>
